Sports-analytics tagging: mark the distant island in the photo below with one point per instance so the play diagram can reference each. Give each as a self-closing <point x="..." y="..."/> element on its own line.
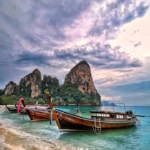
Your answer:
<point x="106" y="103"/>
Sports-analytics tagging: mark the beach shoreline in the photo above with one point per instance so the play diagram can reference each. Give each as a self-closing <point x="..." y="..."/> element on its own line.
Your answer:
<point x="12" y="138"/>
<point x="9" y="139"/>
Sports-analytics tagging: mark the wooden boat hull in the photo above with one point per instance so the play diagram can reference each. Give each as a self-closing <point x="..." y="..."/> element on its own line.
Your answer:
<point x="70" y="122"/>
<point x="39" y="115"/>
<point x="99" y="119"/>
<point x="12" y="109"/>
<point x="23" y="112"/>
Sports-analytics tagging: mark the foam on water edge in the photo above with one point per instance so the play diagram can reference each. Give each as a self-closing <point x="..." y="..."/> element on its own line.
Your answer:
<point x="9" y="125"/>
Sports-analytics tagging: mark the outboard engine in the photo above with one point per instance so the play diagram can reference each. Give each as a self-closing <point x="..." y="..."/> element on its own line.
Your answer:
<point x="129" y="113"/>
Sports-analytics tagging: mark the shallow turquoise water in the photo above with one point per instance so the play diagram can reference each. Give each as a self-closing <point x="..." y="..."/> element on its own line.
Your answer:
<point x="133" y="138"/>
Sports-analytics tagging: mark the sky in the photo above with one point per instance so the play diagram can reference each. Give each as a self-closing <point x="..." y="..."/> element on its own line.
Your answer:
<point x="54" y="35"/>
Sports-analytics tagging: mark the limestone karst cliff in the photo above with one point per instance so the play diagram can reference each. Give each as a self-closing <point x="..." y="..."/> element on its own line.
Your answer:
<point x="31" y="84"/>
<point x="78" y="86"/>
<point x="10" y="88"/>
<point x="50" y="83"/>
<point x="81" y="77"/>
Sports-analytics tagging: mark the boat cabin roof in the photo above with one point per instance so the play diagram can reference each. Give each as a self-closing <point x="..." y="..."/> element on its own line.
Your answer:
<point x="107" y="112"/>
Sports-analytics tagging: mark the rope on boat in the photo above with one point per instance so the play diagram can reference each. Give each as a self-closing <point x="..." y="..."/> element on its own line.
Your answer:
<point x="51" y="115"/>
<point x="22" y="117"/>
<point x="51" y="108"/>
<point x="138" y="122"/>
<point x="97" y="129"/>
<point x="141" y="116"/>
<point x="59" y="117"/>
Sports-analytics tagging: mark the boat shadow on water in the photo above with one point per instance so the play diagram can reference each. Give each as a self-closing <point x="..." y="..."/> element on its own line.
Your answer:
<point x="119" y="131"/>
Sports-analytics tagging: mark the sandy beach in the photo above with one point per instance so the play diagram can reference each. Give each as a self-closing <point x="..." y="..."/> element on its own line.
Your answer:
<point x="12" y="139"/>
<point x="9" y="140"/>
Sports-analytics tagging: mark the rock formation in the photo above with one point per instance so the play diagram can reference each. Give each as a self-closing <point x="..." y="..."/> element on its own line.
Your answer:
<point x="50" y="83"/>
<point x="78" y="86"/>
<point x="31" y="84"/>
<point x="80" y="76"/>
<point x="10" y="88"/>
<point x="106" y="103"/>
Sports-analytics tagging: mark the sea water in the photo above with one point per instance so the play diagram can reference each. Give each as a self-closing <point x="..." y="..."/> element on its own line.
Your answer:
<point x="132" y="138"/>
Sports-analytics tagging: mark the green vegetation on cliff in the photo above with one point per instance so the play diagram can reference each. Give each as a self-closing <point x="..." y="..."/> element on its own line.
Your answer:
<point x="61" y="95"/>
<point x="71" y="95"/>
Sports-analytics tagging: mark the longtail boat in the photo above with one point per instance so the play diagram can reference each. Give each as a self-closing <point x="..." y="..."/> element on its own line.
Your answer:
<point x="99" y="119"/>
<point x="37" y="113"/>
<point x="11" y="109"/>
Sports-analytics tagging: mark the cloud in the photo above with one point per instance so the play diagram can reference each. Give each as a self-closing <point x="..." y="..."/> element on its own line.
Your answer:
<point x="103" y="56"/>
<point x="104" y="81"/>
<point x="9" y="72"/>
<point x="5" y="42"/>
<point x="134" y="94"/>
<point x="106" y="57"/>
<point x="136" y="31"/>
<point x="142" y="87"/>
<point x="41" y="23"/>
<point x="30" y="58"/>
<point x="60" y="13"/>
<point x="137" y="44"/>
<point x="116" y="14"/>
<point x="53" y="36"/>
<point x="46" y="25"/>
<point x="141" y="9"/>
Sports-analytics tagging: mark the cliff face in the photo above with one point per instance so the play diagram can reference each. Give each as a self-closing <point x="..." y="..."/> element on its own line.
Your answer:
<point x="31" y="84"/>
<point x="47" y="81"/>
<point x="50" y="83"/>
<point x="10" y="88"/>
<point x="80" y="76"/>
<point x="77" y="81"/>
